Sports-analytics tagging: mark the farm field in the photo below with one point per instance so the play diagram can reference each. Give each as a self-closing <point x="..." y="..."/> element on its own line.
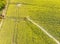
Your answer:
<point x="14" y="33"/>
<point x="16" y="29"/>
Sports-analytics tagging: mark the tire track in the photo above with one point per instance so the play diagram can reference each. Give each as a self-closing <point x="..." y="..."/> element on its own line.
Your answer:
<point x="30" y="20"/>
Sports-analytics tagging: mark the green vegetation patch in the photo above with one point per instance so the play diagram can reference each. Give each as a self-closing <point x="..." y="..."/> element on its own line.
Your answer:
<point x="2" y="4"/>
